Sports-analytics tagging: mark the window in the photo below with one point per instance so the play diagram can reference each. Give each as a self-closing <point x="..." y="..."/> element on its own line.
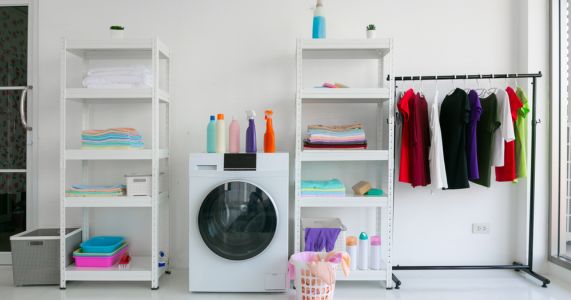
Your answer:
<point x="560" y="225"/>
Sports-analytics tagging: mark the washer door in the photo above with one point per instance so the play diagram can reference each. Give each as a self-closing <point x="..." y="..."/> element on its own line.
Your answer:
<point x="237" y="220"/>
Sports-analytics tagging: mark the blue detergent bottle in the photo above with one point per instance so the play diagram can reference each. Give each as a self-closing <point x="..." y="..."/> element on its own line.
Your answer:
<point x="211" y="135"/>
<point x="251" y="145"/>
<point x="318" y="21"/>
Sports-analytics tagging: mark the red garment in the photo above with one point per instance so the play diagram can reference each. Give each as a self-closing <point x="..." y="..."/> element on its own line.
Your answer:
<point x="420" y="141"/>
<point x="404" y="108"/>
<point x="507" y="172"/>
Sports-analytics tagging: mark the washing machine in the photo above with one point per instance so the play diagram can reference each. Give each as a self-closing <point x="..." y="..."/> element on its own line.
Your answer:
<point x="238" y="222"/>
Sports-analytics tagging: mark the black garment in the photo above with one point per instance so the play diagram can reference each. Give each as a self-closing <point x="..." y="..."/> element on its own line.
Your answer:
<point x="487" y="127"/>
<point x="454" y="116"/>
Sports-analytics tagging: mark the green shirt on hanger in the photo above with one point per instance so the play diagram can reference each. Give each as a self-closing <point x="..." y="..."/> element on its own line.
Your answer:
<point x="521" y="135"/>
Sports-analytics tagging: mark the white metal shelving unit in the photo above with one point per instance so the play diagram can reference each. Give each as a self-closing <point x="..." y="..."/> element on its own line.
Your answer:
<point x="383" y="96"/>
<point x="76" y="57"/>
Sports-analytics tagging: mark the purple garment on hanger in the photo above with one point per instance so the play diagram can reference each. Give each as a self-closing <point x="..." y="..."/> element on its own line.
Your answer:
<point x="318" y="238"/>
<point x="471" y="145"/>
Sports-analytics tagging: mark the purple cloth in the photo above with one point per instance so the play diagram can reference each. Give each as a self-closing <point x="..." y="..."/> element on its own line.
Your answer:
<point x="471" y="145"/>
<point x="318" y="238"/>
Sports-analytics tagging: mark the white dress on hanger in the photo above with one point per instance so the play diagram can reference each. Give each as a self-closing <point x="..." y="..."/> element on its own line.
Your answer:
<point x="436" y="155"/>
<point x="506" y="132"/>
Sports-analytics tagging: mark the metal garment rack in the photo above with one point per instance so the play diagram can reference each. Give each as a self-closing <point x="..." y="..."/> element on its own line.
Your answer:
<point x="516" y="266"/>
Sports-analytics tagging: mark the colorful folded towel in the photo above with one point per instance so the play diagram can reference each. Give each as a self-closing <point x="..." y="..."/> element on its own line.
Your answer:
<point x="322" y="188"/>
<point x="350" y="136"/>
<point x="111" y="139"/>
<point x="95" y="190"/>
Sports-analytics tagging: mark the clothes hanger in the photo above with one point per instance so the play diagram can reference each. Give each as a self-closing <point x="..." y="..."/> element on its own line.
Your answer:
<point x="453" y="87"/>
<point x="492" y="89"/>
<point x="481" y="91"/>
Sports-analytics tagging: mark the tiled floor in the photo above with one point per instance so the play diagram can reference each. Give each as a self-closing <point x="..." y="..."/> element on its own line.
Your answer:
<point x="427" y="285"/>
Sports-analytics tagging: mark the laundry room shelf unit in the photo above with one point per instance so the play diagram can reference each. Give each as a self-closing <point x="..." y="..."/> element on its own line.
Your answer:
<point x="81" y="108"/>
<point x="381" y="154"/>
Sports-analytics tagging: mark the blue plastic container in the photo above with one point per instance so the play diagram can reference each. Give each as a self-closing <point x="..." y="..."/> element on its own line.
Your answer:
<point x="102" y="244"/>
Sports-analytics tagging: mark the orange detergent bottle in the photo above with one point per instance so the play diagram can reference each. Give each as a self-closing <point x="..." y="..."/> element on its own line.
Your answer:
<point x="269" y="137"/>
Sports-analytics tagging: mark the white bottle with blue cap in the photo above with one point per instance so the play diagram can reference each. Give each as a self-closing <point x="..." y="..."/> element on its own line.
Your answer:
<point x="363" y="258"/>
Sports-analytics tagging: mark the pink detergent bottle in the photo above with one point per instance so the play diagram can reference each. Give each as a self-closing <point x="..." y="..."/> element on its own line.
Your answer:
<point x="234" y="136"/>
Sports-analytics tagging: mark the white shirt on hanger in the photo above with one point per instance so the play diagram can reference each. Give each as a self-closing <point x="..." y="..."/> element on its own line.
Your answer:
<point x="506" y="132"/>
<point x="436" y="155"/>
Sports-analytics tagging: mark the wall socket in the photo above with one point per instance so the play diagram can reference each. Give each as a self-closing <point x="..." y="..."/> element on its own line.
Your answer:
<point x="481" y="228"/>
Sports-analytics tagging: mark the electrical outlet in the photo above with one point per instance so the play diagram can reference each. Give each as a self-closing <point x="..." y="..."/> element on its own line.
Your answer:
<point x="481" y="228"/>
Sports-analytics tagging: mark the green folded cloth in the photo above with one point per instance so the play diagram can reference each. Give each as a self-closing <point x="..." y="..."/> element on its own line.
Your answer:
<point x="374" y="192"/>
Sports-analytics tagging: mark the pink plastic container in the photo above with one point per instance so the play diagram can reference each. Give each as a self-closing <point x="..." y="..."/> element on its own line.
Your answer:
<point x="99" y="261"/>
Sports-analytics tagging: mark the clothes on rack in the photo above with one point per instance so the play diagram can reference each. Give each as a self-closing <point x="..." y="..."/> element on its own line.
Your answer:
<point x="119" y="77"/>
<point x="507" y="172"/>
<point x="322" y="188"/>
<point x="436" y="155"/>
<point x="350" y="136"/>
<point x="403" y="106"/>
<point x="81" y="190"/>
<point x="454" y="116"/>
<point x="521" y="134"/>
<point x="111" y="139"/>
<point x="486" y="130"/>
<point x="506" y="133"/>
<point x="471" y="137"/>
<point x="420" y="141"/>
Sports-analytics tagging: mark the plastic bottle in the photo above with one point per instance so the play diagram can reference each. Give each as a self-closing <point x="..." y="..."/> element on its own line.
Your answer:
<point x="211" y="135"/>
<point x="363" y="258"/>
<point x="351" y="247"/>
<point x="251" y="146"/>
<point x="318" y="21"/>
<point x="375" y="252"/>
<point x="269" y="137"/>
<point x="234" y="136"/>
<point x="220" y="134"/>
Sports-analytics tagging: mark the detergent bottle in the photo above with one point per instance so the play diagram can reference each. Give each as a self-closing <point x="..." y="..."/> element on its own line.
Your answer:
<point x="269" y="137"/>
<point x="251" y="146"/>
<point x="234" y="136"/>
<point x="220" y="134"/>
<point x="211" y="135"/>
<point x="318" y="21"/>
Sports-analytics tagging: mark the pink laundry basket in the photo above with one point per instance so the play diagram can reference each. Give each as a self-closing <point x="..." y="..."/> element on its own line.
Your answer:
<point x="308" y="286"/>
<point x="100" y="261"/>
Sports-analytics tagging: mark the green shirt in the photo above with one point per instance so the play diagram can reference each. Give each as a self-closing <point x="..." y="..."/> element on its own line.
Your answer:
<point x="521" y="135"/>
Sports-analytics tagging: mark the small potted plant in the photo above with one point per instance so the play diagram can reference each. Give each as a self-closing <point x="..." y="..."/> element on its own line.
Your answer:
<point x="371" y="31"/>
<point x="117" y="32"/>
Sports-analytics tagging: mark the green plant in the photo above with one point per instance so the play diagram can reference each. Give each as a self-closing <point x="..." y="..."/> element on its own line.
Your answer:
<point x="117" y="27"/>
<point x="371" y="27"/>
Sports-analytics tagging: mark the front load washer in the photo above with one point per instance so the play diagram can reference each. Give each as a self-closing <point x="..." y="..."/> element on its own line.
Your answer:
<point x="238" y="222"/>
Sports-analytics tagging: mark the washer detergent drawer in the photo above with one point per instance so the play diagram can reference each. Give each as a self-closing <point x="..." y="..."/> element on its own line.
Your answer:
<point x="275" y="281"/>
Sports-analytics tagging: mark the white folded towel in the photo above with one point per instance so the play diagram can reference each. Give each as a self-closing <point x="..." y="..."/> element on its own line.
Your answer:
<point x="118" y="77"/>
<point x="136" y="69"/>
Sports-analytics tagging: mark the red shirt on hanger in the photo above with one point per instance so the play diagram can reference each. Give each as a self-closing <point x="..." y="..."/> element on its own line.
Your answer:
<point x="404" y="108"/>
<point x="420" y="141"/>
<point x="507" y="172"/>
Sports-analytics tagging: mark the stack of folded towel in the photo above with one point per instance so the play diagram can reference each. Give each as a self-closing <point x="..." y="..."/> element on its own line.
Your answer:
<point x="336" y="137"/>
<point x="111" y="139"/>
<point x="96" y="190"/>
<point x="322" y="188"/>
<point x="119" y="77"/>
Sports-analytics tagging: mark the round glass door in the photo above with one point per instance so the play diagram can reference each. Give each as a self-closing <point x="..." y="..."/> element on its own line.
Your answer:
<point x="237" y="220"/>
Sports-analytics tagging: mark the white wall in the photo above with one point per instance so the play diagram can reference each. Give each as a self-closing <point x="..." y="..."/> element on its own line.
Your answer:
<point x="237" y="55"/>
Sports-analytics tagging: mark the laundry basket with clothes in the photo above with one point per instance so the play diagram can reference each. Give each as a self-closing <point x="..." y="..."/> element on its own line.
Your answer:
<point x="314" y="273"/>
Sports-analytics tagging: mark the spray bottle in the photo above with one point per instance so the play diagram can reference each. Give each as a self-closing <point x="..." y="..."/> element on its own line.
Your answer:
<point x="251" y="146"/>
<point x="269" y="137"/>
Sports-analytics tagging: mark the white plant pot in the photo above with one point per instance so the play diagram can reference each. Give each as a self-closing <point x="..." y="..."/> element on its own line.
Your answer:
<point x="371" y="34"/>
<point x="117" y="34"/>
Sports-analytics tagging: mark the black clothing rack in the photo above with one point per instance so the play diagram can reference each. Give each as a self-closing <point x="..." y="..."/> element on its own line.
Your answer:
<point x="516" y="266"/>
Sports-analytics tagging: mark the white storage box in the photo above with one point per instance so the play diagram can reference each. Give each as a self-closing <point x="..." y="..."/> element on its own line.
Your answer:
<point x="138" y="185"/>
<point x="324" y="223"/>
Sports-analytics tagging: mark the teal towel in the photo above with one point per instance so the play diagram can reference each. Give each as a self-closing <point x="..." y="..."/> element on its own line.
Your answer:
<point x="333" y="184"/>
